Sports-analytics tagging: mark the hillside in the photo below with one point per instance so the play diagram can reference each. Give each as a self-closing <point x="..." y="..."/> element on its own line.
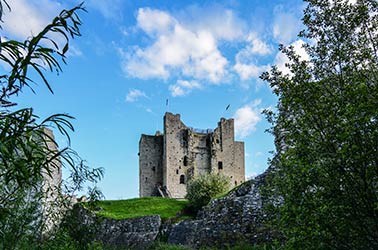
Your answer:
<point x="146" y="206"/>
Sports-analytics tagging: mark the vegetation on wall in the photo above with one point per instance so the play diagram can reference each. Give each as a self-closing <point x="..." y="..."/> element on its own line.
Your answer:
<point x="203" y="188"/>
<point x="25" y="155"/>
<point x="326" y="130"/>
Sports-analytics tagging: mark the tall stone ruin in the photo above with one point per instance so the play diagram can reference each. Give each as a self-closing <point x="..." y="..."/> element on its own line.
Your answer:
<point x="168" y="161"/>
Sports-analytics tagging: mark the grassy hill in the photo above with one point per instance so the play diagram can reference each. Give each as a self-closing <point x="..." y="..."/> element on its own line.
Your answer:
<point x="125" y="209"/>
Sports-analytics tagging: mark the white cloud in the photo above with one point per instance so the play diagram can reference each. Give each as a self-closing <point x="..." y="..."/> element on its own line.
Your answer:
<point x="246" y="119"/>
<point x="255" y="47"/>
<point x="134" y="95"/>
<point x="245" y="67"/>
<point x="154" y="21"/>
<point x="182" y="87"/>
<point x="74" y="51"/>
<point x="26" y="18"/>
<point x="222" y="23"/>
<point x="251" y="176"/>
<point x="247" y="71"/>
<point x="175" y="50"/>
<point x="281" y="59"/>
<point x="286" y="25"/>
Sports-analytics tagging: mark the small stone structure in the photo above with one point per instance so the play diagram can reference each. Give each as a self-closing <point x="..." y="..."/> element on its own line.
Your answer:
<point x="168" y="161"/>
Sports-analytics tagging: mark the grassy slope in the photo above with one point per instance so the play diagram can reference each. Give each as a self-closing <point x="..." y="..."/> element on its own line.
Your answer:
<point x="125" y="209"/>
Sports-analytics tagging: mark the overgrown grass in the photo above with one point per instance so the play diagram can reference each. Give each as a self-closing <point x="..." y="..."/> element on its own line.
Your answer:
<point x="132" y="208"/>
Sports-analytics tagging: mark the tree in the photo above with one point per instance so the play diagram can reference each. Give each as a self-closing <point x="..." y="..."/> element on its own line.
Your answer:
<point x="26" y="155"/>
<point x="204" y="188"/>
<point x="326" y="130"/>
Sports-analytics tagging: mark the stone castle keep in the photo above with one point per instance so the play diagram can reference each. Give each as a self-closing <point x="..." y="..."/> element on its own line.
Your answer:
<point x="167" y="161"/>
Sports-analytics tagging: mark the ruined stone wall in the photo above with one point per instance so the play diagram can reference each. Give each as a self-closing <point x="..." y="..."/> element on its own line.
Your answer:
<point x="52" y="179"/>
<point x="175" y="158"/>
<point x="227" y="154"/>
<point x="199" y="154"/>
<point x="187" y="153"/>
<point x="51" y="184"/>
<point x="134" y="233"/>
<point x="239" y="169"/>
<point x="150" y="164"/>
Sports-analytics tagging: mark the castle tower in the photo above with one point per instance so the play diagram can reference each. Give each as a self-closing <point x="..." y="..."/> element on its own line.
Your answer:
<point x="170" y="160"/>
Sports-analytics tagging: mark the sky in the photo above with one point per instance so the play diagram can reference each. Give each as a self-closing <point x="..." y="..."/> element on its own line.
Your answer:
<point x="134" y="55"/>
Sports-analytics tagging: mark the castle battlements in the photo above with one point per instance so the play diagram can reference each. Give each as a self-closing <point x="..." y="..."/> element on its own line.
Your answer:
<point x="167" y="161"/>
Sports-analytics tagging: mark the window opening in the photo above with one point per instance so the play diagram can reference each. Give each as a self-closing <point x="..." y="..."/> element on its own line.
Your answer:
<point x="182" y="179"/>
<point x="185" y="160"/>
<point x="220" y="165"/>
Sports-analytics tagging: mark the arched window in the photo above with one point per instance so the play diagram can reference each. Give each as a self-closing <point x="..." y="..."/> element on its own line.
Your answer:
<point x="185" y="160"/>
<point x="182" y="179"/>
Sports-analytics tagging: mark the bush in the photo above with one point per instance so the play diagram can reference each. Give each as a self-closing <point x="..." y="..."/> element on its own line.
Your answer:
<point x="202" y="189"/>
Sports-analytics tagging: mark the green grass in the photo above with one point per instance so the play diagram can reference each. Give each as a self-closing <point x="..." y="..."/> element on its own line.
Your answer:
<point x="126" y="209"/>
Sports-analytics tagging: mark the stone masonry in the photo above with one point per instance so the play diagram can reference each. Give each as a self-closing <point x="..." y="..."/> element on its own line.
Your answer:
<point x="168" y="161"/>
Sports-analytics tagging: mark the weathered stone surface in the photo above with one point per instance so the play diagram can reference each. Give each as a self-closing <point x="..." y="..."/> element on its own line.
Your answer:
<point x="171" y="159"/>
<point x="234" y="219"/>
<point x="136" y="232"/>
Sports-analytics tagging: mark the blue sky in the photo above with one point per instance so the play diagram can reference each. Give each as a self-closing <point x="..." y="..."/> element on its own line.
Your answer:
<point x="133" y="55"/>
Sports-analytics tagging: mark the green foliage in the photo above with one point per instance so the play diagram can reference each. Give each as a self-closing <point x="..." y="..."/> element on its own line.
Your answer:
<point x="132" y="208"/>
<point x="203" y="188"/>
<point x="326" y="130"/>
<point x="165" y="246"/>
<point x="27" y="207"/>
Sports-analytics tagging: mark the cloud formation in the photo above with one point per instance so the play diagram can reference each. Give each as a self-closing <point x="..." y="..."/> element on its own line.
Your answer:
<point x="222" y="23"/>
<point x="245" y="67"/>
<point x="134" y="95"/>
<point x="26" y="18"/>
<point x="202" y="44"/>
<point x="182" y="87"/>
<point x="246" y="119"/>
<point x="175" y="50"/>
<point x="286" y="25"/>
<point x="281" y="59"/>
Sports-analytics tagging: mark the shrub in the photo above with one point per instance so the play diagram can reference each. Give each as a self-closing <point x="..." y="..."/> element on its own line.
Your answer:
<point x="202" y="189"/>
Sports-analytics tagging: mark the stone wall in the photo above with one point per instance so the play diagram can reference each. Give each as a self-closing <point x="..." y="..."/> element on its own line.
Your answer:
<point x="199" y="154"/>
<point x="150" y="164"/>
<point x="228" y="154"/>
<point x="136" y="233"/>
<point x="235" y="219"/>
<point x="51" y="185"/>
<point x="175" y="155"/>
<point x="186" y="153"/>
<point x="239" y="168"/>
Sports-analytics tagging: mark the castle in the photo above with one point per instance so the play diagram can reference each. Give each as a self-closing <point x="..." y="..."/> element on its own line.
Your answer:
<point x="168" y="161"/>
